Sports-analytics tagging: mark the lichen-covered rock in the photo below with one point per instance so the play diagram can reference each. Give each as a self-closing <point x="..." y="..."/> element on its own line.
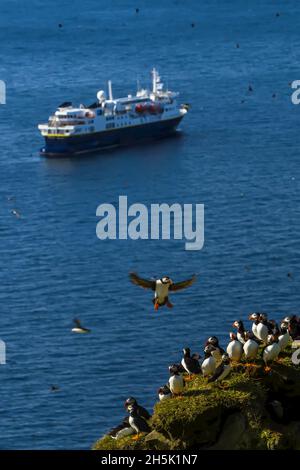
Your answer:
<point x="254" y="408"/>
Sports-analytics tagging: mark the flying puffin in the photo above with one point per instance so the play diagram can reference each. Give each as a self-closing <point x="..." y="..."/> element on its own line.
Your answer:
<point x="259" y="329"/>
<point x="217" y="352"/>
<point x="222" y="370"/>
<point x="161" y="287"/>
<point x="272" y="350"/>
<point x="164" y="393"/>
<point x="234" y="348"/>
<point x="251" y="346"/>
<point x="208" y="366"/>
<point x="78" y="328"/>
<point x="137" y="423"/>
<point x="239" y="325"/>
<point x="176" y="382"/>
<point x="190" y="363"/>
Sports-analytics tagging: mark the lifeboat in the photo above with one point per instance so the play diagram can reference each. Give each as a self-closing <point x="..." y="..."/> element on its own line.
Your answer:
<point x="90" y="114"/>
<point x="140" y="108"/>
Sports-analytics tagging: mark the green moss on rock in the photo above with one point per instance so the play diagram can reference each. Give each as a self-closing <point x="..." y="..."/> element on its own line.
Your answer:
<point x="230" y="415"/>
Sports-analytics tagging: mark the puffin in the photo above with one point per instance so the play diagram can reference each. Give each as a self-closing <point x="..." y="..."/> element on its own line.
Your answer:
<point x="161" y="287"/>
<point x="284" y="336"/>
<point x="208" y="365"/>
<point x="190" y="363"/>
<point x="272" y="350"/>
<point x="78" y="328"/>
<point x="251" y="346"/>
<point x="137" y="423"/>
<point x="239" y="325"/>
<point x="124" y="429"/>
<point x="270" y="324"/>
<point x="140" y="409"/>
<point x="234" y="348"/>
<point x="164" y="393"/>
<point x="259" y="329"/>
<point x="217" y="352"/>
<point x="176" y="382"/>
<point x="293" y="326"/>
<point x="222" y="370"/>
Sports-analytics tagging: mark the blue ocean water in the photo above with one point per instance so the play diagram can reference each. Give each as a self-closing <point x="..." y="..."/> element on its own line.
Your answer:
<point x="238" y="153"/>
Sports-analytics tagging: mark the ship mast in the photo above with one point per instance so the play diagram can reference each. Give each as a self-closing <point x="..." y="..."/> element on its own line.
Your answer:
<point x="110" y="95"/>
<point x="154" y="81"/>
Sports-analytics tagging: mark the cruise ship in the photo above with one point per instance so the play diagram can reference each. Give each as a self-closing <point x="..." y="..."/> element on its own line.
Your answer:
<point x="109" y="122"/>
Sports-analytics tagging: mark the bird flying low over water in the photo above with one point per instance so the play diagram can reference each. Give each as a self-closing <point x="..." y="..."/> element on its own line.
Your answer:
<point x="161" y="287"/>
<point x="78" y="328"/>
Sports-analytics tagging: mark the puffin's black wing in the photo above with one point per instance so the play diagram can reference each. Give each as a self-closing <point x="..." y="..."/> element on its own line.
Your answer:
<point x="139" y="281"/>
<point x="143" y="412"/>
<point x="217" y="373"/>
<point x="183" y="284"/>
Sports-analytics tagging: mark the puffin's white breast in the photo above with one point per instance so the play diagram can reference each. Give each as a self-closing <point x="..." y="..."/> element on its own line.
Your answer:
<point x="176" y="383"/>
<point x="235" y="350"/>
<point x="250" y="349"/>
<point x="262" y="332"/>
<point x="283" y="341"/>
<point x="271" y="352"/>
<point x="208" y="366"/>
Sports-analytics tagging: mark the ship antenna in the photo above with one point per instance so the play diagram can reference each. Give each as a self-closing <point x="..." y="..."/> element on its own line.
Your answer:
<point x="110" y="95"/>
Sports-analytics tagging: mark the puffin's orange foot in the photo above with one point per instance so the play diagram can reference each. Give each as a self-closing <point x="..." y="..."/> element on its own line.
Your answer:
<point x="267" y="369"/>
<point x="156" y="306"/>
<point x="169" y="305"/>
<point x="189" y="378"/>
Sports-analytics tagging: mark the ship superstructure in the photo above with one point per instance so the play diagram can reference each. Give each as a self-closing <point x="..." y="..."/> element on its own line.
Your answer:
<point x="112" y="122"/>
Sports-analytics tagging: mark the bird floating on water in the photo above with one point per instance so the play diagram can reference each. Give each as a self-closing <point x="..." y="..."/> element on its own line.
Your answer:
<point x="78" y="328"/>
<point x="161" y="287"/>
<point x="16" y="213"/>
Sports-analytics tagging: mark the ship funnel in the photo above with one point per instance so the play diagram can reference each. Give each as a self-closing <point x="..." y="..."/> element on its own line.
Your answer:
<point x="110" y="95"/>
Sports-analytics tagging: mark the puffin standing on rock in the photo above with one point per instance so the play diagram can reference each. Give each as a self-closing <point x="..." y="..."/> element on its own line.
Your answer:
<point x="164" y="393"/>
<point x="125" y="429"/>
<point x="217" y="352"/>
<point x="239" y="325"/>
<point x="259" y="329"/>
<point x="161" y="287"/>
<point x="272" y="350"/>
<point x="284" y="336"/>
<point x="234" y="348"/>
<point x="176" y="382"/>
<point x="251" y="346"/>
<point x="222" y="370"/>
<point x="208" y="366"/>
<point x="137" y="423"/>
<point x="190" y="363"/>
